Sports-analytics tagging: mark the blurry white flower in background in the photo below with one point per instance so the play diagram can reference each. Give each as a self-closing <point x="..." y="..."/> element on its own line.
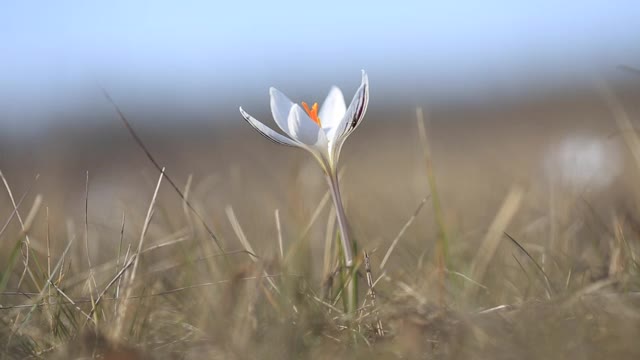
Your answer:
<point x="584" y="162"/>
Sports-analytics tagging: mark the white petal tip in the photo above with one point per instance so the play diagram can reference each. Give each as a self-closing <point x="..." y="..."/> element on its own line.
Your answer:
<point x="334" y="88"/>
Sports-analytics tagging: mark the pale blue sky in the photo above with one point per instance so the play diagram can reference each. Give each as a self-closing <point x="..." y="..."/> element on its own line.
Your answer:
<point x="221" y="53"/>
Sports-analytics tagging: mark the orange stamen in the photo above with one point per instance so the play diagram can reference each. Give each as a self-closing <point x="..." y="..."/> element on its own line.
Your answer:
<point x="313" y="112"/>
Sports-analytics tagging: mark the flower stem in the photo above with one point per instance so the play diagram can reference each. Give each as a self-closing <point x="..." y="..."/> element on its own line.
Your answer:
<point x="349" y="275"/>
<point x="347" y="246"/>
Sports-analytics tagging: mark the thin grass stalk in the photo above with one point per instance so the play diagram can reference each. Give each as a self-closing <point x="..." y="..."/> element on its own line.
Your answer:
<point x="27" y="241"/>
<point x="372" y="294"/>
<point x="442" y="247"/>
<point x="131" y="281"/>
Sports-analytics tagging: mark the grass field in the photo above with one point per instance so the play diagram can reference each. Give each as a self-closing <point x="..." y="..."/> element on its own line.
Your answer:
<point x="536" y="203"/>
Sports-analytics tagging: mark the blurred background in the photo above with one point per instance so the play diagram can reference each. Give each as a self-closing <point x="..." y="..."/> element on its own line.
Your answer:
<point x="508" y="90"/>
<point x="198" y="60"/>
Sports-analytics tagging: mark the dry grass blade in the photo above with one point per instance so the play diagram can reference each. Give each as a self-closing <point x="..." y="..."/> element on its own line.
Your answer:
<point x="326" y="304"/>
<point x="219" y="282"/>
<point x="91" y="281"/>
<point x="36" y="300"/>
<point x="490" y="243"/>
<point x="48" y="240"/>
<point x="120" y="281"/>
<point x="240" y="234"/>
<point x="245" y="242"/>
<point x="4" y="279"/>
<point x="13" y="213"/>
<point x="401" y="233"/>
<point x="442" y="251"/>
<point x="314" y="217"/>
<point x="26" y="226"/>
<point x="166" y="243"/>
<point x="279" y="229"/>
<point x="296" y="244"/>
<point x="27" y="242"/>
<point x="108" y="266"/>
<point x="495" y="308"/>
<point x="145" y="227"/>
<point x="117" y="290"/>
<point x="70" y="300"/>
<point x="136" y="260"/>
<point x="109" y="285"/>
<point x="175" y="187"/>
<point x="547" y="282"/>
<point x="86" y="223"/>
<point x="316" y="213"/>
<point x="466" y="278"/>
<point x="372" y="293"/>
<point x="185" y="207"/>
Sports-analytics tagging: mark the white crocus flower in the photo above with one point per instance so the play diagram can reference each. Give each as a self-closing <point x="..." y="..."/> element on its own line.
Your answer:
<point x="322" y="133"/>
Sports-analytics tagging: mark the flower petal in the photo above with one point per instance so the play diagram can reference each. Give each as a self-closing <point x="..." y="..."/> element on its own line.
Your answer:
<point x="332" y="111"/>
<point x="303" y="129"/>
<point x="266" y="131"/>
<point x="352" y="117"/>
<point x="280" y="109"/>
<point x="358" y="107"/>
